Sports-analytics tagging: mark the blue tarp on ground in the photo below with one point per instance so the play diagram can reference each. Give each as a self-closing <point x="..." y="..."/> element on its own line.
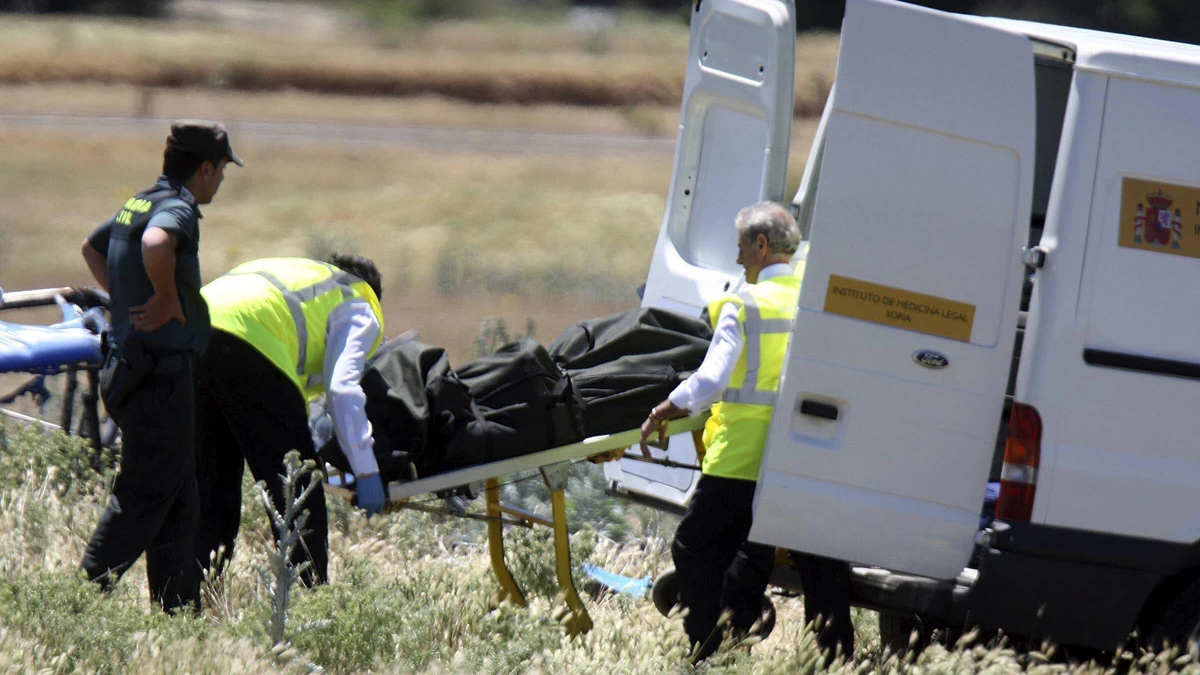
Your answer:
<point x="619" y="583"/>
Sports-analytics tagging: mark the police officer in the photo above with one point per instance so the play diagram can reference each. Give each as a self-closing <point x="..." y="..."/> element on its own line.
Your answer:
<point x="146" y="257"/>
<point x="286" y="330"/>
<point x="716" y="566"/>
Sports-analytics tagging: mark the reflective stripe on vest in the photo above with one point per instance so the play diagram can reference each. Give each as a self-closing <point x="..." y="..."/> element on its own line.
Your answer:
<point x="742" y="418"/>
<point x="281" y="307"/>
<point x="295" y="301"/>
<point x="754" y="327"/>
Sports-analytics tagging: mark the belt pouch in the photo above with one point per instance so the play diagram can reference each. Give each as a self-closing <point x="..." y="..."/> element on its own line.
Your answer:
<point x="124" y="371"/>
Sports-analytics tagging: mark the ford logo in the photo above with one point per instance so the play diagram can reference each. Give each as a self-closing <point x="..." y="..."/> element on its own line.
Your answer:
<point x="930" y="359"/>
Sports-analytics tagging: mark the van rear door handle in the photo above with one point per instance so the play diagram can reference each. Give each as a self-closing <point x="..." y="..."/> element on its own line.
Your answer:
<point x="818" y="409"/>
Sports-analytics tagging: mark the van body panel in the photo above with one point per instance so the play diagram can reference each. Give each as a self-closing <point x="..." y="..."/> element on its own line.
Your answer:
<point x="921" y="209"/>
<point x="1140" y="58"/>
<point x="922" y="185"/>
<point x="731" y="151"/>
<point x="1050" y="331"/>
<point x="1125" y="438"/>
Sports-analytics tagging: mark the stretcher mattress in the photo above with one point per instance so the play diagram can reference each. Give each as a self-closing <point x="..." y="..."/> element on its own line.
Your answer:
<point x="33" y="349"/>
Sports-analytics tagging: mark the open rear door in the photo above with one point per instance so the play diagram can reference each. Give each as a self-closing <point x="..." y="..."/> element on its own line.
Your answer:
<point x="879" y="449"/>
<point x="731" y="152"/>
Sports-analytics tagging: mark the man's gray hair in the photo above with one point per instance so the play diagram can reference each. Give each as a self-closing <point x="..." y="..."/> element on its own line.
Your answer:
<point x="773" y="221"/>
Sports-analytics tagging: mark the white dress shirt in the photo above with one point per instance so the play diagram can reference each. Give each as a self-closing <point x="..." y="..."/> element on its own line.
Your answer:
<point x="351" y="331"/>
<point x="710" y="380"/>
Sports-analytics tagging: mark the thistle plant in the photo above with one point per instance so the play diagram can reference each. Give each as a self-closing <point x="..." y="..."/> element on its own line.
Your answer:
<point x="281" y="574"/>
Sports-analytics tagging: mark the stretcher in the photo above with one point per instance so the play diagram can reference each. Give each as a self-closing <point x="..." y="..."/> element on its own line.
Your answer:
<point x="553" y="465"/>
<point x="68" y="347"/>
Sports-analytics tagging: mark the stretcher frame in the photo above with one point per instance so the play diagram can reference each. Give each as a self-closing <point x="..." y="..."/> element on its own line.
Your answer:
<point x="89" y="423"/>
<point x="554" y="465"/>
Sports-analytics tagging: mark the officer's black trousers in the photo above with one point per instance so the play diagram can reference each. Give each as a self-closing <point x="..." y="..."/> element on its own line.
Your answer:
<point x="248" y="409"/>
<point x="716" y="567"/>
<point x="826" y="584"/>
<point x="154" y="503"/>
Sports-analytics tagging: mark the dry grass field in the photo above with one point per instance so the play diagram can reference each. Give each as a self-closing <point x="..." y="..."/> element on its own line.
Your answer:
<point x="496" y="62"/>
<point x="413" y="212"/>
<point x="459" y="236"/>
<point x="409" y="593"/>
<point x="427" y="110"/>
<point x="528" y="230"/>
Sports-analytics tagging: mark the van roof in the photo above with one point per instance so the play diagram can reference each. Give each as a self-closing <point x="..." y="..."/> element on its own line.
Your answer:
<point x="1116" y="54"/>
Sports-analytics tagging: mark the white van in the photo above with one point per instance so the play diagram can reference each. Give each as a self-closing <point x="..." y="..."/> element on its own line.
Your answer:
<point x="1004" y="225"/>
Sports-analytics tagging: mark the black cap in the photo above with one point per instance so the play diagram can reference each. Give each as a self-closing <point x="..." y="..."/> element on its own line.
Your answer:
<point x="204" y="138"/>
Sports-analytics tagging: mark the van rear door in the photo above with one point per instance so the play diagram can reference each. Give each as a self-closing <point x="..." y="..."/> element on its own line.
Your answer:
<point x="731" y="152"/>
<point x="885" y="426"/>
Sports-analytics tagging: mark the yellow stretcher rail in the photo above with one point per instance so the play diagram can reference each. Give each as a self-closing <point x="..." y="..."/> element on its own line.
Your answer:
<point x="553" y="464"/>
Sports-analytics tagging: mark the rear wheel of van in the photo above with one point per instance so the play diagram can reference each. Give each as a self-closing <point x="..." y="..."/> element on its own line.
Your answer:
<point x="901" y="633"/>
<point x="665" y="594"/>
<point x="1178" y="622"/>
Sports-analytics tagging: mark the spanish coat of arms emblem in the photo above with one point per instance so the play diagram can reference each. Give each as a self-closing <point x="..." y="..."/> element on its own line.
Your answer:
<point x="1156" y="225"/>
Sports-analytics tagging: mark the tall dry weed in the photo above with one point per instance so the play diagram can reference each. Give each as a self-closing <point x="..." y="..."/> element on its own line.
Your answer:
<point x="409" y="593"/>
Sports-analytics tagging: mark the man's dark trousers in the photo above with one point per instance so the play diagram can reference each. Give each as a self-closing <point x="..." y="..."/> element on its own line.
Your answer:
<point x="826" y="584"/>
<point x="716" y="567"/>
<point x="248" y="409"/>
<point x="154" y="503"/>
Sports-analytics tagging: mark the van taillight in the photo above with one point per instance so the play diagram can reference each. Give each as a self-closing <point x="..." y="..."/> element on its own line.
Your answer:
<point x="1022" y="453"/>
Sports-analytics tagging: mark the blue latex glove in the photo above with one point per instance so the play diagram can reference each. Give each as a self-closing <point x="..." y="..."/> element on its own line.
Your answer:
<point x="370" y="493"/>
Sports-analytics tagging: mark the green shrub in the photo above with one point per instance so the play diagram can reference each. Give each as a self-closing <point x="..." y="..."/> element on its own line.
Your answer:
<point x="408" y="621"/>
<point x="510" y="638"/>
<point x="531" y="558"/>
<point x="69" y="615"/>
<point x="54" y="459"/>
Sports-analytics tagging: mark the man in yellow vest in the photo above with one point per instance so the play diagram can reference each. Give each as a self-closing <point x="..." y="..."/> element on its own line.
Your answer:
<point x="716" y="566"/>
<point x="285" y="331"/>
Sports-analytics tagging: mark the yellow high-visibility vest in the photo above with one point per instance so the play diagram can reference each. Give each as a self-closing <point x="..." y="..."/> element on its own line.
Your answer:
<point x="281" y="307"/>
<point x="737" y="431"/>
<point x="710" y="426"/>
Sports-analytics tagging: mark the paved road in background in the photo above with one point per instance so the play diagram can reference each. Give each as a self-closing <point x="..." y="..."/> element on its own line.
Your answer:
<point x="342" y="133"/>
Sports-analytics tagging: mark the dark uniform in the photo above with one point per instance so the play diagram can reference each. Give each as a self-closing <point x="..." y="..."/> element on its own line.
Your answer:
<point x="154" y="500"/>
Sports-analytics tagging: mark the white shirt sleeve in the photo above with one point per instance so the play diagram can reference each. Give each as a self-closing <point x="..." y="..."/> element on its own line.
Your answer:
<point x="351" y="331"/>
<point x="699" y="391"/>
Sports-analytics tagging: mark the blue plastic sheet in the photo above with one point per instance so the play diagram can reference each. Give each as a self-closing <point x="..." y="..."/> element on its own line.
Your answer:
<point x="619" y="583"/>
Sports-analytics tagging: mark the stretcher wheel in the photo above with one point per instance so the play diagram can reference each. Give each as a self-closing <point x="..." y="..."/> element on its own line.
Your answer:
<point x="665" y="594"/>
